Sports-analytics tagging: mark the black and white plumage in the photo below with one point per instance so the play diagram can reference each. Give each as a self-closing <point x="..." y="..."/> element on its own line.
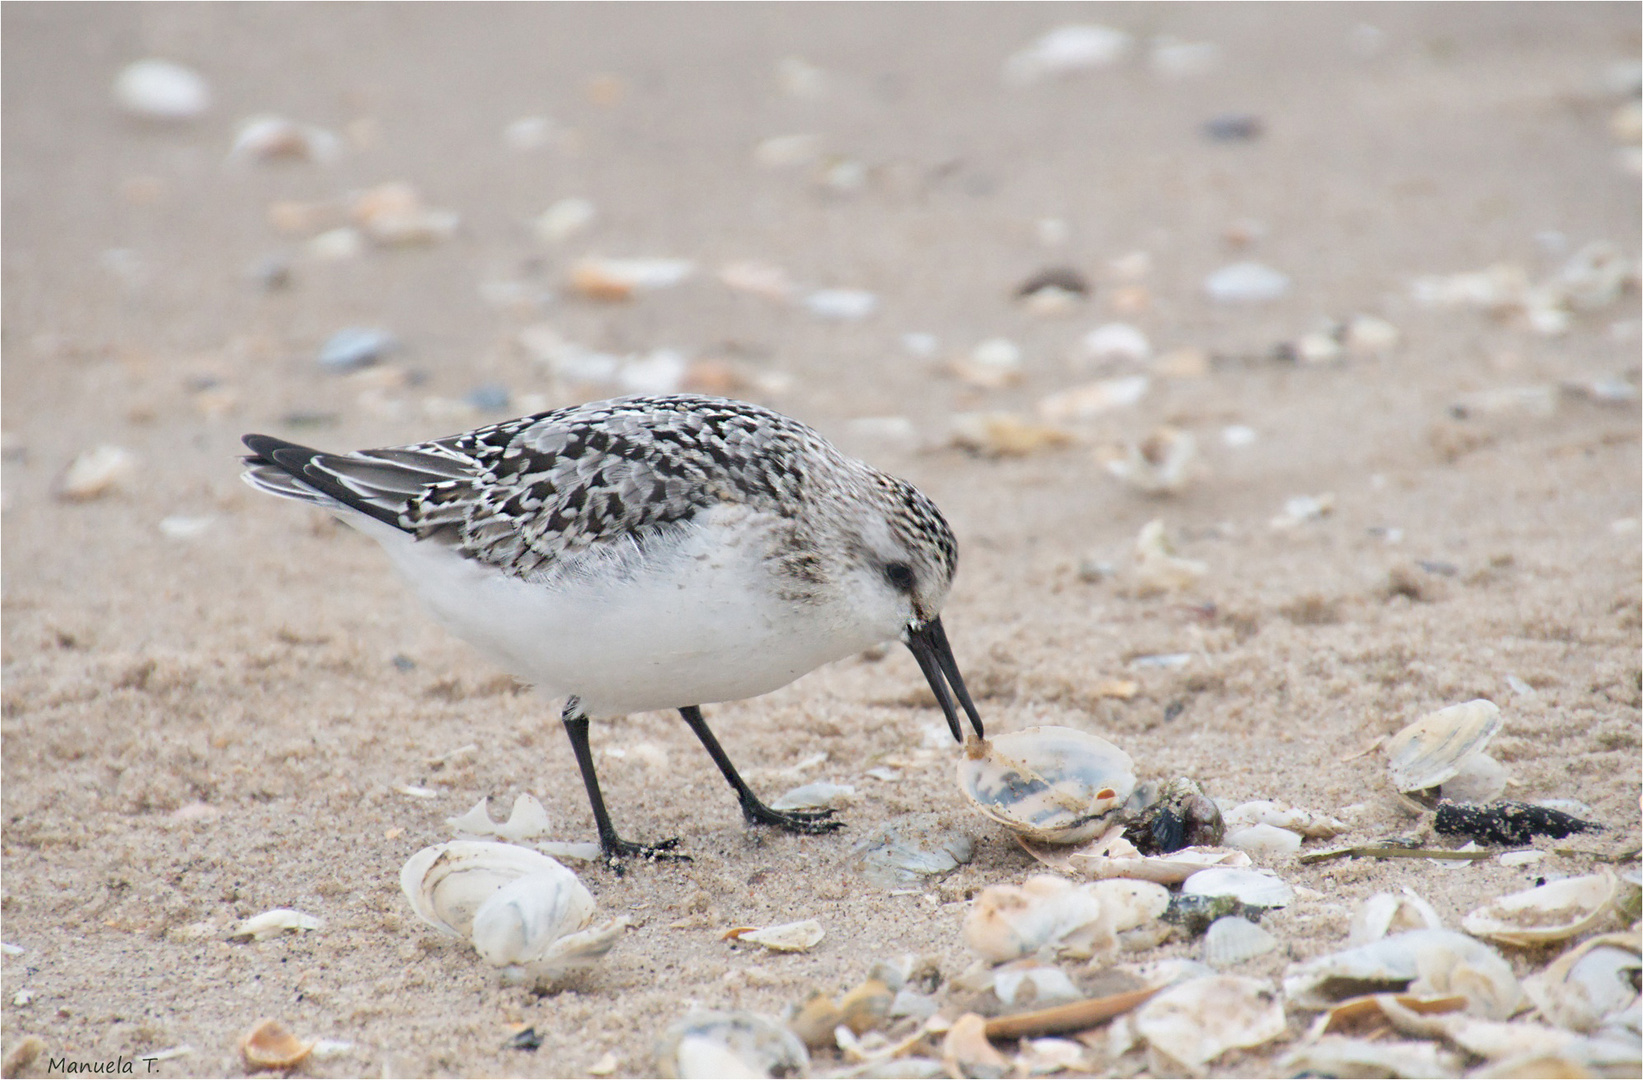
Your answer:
<point x="647" y="553"/>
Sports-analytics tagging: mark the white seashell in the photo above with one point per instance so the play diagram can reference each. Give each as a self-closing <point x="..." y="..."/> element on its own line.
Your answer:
<point x="528" y="821"/>
<point x="1157" y="568"/>
<point x="908" y="851"/>
<point x="1052" y="916"/>
<point x="1264" y="841"/>
<point x="1230" y="940"/>
<point x="1160" y="464"/>
<point x="1427" y="962"/>
<point x="621" y="279"/>
<point x="519" y="922"/>
<point x="1368" y="335"/>
<point x="335" y="245"/>
<point x="786" y="151"/>
<point x="1053" y="784"/>
<point x="758" y="278"/>
<point x="1299" y="509"/>
<point x="1093" y="399"/>
<point x="394" y="214"/>
<point x="1433" y="748"/>
<point x="725" y="1044"/>
<point x="1596" y="275"/>
<point x="1590" y="984"/>
<point x="1551" y="912"/>
<point x="818" y="795"/>
<point x="1047" y="984"/>
<point x="1337" y="1055"/>
<point x="1004" y="434"/>
<point x="447" y="883"/>
<point x="1481" y="779"/>
<point x="186" y="526"/>
<point x="1389" y="913"/>
<point x="1117" y="341"/>
<point x="1065" y="50"/>
<point x="1252" y="888"/>
<point x="841" y="305"/>
<point x="161" y="90"/>
<point x="275" y="923"/>
<point x="1308" y="823"/>
<point x="1195" y="1022"/>
<point x="991" y="365"/>
<point x="272" y="138"/>
<point x="527" y="133"/>
<point x="787" y="937"/>
<point x="1246" y="283"/>
<point x="564" y="219"/>
<point x="96" y="472"/>
<point x="660" y="371"/>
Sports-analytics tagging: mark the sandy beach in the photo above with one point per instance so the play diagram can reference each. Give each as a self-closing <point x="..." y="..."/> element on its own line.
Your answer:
<point x="1415" y="481"/>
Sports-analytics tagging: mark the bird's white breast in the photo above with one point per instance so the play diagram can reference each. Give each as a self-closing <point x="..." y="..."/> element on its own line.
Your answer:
<point x="694" y="618"/>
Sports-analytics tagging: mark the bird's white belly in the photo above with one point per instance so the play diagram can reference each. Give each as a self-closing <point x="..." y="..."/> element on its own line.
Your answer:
<point x="694" y="620"/>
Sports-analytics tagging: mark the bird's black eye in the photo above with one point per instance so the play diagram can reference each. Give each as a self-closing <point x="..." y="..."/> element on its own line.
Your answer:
<point x="900" y="576"/>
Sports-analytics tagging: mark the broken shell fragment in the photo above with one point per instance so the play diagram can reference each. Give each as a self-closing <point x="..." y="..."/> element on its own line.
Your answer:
<point x="273" y="924"/>
<point x="910" y="850"/>
<point x="991" y="365"/>
<point x="1336" y="1055"/>
<point x="1001" y="434"/>
<point x="1157" y="568"/>
<point x="1252" y="888"/>
<point x="564" y="219"/>
<point x="788" y="937"/>
<point x="1425" y="962"/>
<point x="394" y="214"/>
<point x="1232" y="939"/>
<point x="1551" y="912"/>
<point x="622" y="279"/>
<point x="1308" y="823"/>
<point x="718" y="1044"/>
<point x="1052" y="784"/>
<point x="274" y="138"/>
<point x="96" y="472"/>
<point x="1435" y="747"/>
<point x="1051" y="916"/>
<point x="1590" y="984"/>
<point x="1199" y="1020"/>
<point x="1092" y="399"/>
<point x="1264" y="841"/>
<point x="1390" y="913"/>
<point x="965" y="1050"/>
<point x="271" y="1045"/>
<point x="528" y="821"/>
<point x="820" y="794"/>
<point x="1161" y="464"/>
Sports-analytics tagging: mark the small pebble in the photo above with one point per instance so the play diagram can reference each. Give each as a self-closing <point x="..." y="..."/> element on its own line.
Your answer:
<point x="1238" y="435"/>
<point x="1234" y="127"/>
<point x="275" y="138"/>
<point x="1117" y="341"/>
<point x="527" y="133"/>
<point x="1066" y="50"/>
<point x="491" y="397"/>
<point x="355" y="348"/>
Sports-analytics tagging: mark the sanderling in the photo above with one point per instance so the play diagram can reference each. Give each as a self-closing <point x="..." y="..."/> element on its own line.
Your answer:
<point x="650" y="553"/>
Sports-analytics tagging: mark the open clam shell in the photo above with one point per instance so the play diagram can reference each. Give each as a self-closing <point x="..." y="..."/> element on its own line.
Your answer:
<point x="447" y="883"/>
<point x="1426" y="962"/>
<point x="1436" y="747"/>
<point x="1551" y="912"/>
<point x="1051" y="784"/>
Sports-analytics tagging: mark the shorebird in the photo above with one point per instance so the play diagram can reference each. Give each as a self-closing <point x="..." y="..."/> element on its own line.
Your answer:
<point x="648" y="553"/>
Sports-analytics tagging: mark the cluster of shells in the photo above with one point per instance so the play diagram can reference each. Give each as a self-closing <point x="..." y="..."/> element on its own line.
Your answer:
<point x="1058" y="980"/>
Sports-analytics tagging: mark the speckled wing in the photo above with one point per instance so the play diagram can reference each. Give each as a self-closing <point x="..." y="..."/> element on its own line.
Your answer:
<point x="524" y="493"/>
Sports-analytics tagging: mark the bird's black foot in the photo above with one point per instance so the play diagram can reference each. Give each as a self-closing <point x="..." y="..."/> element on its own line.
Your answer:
<point x="803" y="822"/>
<point x="615" y="851"/>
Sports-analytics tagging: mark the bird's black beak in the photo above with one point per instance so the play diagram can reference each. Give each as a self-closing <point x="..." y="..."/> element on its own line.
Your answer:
<point x="928" y="643"/>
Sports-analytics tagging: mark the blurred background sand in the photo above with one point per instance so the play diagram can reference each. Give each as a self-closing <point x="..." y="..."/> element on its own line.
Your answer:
<point x="213" y="701"/>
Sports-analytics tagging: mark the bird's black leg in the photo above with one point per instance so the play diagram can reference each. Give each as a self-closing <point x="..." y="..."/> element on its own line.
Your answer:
<point x="614" y="847"/>
<point x="794" y="821"/>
